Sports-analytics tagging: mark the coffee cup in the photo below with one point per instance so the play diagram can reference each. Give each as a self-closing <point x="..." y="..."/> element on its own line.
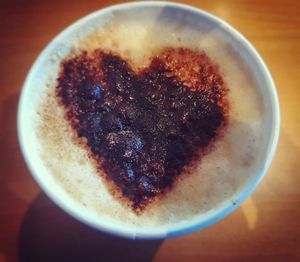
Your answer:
<point x="255" y="121"/>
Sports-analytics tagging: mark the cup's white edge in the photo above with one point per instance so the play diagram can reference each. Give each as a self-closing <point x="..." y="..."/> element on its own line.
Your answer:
<point x="168" y="231"/>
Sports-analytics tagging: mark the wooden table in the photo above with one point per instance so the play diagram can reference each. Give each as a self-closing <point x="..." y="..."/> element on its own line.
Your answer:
<point x="265" y="228"/>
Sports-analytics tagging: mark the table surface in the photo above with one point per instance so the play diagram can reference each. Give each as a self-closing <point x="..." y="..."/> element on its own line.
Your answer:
<point x="265" y="228"/>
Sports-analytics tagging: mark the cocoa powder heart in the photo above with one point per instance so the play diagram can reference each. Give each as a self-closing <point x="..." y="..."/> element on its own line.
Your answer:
<point x="144" y="127"/>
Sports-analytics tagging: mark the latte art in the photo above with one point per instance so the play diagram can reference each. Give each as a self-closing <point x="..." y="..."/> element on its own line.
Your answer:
<point x="143" y="128"/>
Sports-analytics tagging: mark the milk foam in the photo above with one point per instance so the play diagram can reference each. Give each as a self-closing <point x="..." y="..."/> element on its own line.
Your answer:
<point x="220" y="174"/>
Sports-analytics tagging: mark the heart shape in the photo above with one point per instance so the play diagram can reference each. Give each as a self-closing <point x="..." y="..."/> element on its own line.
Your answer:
<point x="143" y="127"/>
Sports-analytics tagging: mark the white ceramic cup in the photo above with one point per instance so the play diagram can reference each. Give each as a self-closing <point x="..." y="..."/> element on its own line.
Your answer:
<point x="196" y="16"/>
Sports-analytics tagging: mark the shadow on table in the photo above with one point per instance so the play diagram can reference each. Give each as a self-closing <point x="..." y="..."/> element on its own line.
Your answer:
<point x="49" y="234"/>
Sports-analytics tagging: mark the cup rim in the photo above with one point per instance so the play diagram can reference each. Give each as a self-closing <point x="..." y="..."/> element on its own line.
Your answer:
<point x="169" y="231"/>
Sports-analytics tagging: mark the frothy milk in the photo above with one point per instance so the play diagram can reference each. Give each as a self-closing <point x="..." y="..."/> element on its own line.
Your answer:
<point x="137" y="36"/>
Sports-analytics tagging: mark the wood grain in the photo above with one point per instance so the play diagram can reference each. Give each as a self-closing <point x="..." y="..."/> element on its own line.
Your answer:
<point x="265" y="228"/>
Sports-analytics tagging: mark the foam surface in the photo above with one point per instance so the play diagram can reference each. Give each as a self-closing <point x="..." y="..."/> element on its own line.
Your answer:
<point x="232" y="162"/>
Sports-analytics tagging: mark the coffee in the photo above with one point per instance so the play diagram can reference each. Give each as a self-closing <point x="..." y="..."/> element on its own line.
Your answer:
<point x="228" y="165"/>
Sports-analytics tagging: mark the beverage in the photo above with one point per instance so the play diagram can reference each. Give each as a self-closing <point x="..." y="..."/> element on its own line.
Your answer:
<point x="234" y="157"/>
